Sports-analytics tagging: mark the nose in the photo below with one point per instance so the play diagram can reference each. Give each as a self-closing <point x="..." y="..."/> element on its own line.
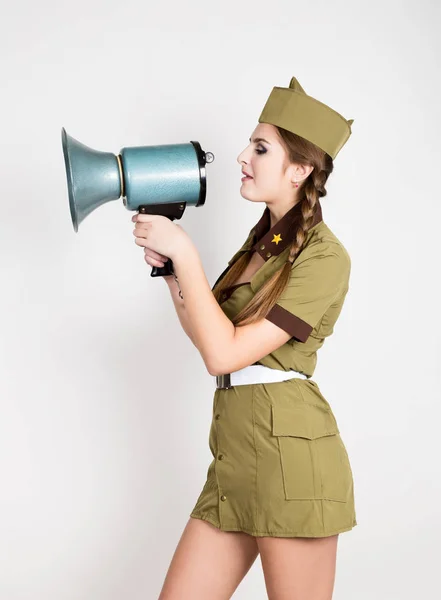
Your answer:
<point x="240" y="158"/>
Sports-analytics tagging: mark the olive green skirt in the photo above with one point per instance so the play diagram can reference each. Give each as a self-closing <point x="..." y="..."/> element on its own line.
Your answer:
<point x="279" y="467"/>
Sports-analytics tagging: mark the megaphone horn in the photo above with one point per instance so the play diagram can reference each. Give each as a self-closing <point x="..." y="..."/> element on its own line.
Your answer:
<point x="87" y="192"/>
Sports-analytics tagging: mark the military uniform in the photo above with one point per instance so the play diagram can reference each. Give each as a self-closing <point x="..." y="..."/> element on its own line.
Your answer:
<point x="280" y="467"/>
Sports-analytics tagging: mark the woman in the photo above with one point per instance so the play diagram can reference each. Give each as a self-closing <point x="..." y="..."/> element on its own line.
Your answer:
<point x="280" y="483"/>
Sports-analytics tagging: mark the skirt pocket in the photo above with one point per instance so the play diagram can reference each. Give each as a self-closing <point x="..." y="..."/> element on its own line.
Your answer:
<point x="313" y="459"/>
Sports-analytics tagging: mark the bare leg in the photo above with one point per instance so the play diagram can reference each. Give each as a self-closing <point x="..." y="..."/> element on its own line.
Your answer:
<point x="208" y="563"/>
<point x="298" y="568"/>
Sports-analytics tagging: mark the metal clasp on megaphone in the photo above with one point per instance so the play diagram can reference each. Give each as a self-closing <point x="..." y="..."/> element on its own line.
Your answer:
<point x="158" y="180"/>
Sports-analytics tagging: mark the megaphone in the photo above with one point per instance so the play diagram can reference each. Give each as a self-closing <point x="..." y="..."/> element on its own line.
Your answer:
<point x="158" y="180"/>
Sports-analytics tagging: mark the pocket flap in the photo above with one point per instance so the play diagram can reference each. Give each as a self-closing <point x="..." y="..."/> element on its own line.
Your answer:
<point x="307" y="421"/>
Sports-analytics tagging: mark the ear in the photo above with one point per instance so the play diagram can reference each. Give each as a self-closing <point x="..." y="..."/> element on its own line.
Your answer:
<point x="302" y="172"/>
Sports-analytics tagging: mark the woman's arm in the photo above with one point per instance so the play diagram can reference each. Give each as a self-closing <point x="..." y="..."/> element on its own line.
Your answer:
<point x="223" y="347"/>
<point x="212" y="331"/>
<point x="179" y="306"/>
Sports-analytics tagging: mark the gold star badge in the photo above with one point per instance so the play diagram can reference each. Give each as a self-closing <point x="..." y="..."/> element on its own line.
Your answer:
<point x="277" y="239"/>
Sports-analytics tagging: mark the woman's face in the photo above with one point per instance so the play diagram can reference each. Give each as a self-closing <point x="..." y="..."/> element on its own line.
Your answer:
<point x="265" y="159"/>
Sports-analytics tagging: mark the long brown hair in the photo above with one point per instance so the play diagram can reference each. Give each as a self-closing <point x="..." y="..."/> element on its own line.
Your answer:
<point x="300" y="151"/>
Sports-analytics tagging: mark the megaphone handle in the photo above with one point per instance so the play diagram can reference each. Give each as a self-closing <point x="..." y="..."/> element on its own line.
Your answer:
<point x="171" y="211"/>
<point x="167" y="269"/>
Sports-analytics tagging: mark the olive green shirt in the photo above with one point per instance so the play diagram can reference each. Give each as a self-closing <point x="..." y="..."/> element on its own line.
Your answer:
<point x="311" y="303"/>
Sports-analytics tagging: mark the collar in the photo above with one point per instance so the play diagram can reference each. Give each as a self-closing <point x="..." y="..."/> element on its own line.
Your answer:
<point x="279" y="237"/>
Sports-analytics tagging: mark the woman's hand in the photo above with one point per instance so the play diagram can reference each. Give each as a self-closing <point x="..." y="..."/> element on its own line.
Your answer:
<point x="154" y="259"/>
<point x="161" y="239"/>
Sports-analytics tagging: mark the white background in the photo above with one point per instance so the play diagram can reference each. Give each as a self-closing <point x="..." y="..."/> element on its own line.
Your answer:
<point x="105" y="403"/>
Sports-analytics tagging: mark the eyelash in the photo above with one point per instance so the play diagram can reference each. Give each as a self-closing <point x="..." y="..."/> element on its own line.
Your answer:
<point x="260" y="151"/>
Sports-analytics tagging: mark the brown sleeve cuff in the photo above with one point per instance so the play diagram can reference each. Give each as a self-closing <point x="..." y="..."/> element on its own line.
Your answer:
<point x="289" y="322"/>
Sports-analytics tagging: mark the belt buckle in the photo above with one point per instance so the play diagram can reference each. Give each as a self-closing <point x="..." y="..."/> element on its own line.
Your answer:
<point x="223" y="381"/>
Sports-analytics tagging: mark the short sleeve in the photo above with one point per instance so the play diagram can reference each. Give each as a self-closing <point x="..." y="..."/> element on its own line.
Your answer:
<point x="314" y="284"/>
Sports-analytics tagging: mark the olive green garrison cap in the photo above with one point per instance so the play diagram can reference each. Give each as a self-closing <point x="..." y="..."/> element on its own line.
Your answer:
<point x="292" y="109"/>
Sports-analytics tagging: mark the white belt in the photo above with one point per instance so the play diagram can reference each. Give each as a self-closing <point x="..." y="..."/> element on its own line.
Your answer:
<point x="255" y="374"/>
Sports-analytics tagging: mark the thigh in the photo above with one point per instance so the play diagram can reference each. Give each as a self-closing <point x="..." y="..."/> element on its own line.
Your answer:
<point x="208" y="563"/>
<point x="298" y="568"/>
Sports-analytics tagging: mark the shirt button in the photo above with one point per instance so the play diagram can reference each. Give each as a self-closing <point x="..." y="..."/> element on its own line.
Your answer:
<point x="223" y="498"/>
<point x="262" y="247"/>
<point x="217" y="417"/>
<point x="221" y="457"/>
<point x="268" y="254"/>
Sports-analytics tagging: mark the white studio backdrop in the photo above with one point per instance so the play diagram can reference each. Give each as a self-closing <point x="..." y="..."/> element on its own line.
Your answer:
<point x="105" y="404"/>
